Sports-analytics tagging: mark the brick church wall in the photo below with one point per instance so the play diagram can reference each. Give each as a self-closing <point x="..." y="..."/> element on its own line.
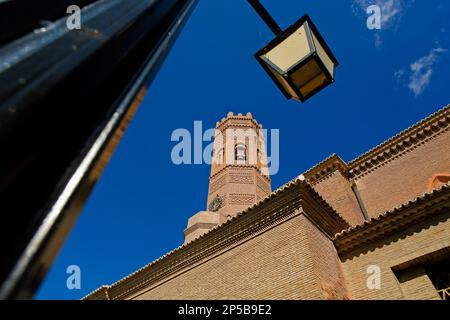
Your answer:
<point x="411" y="244"/>
<point x="406" y="177"/>
<point x="337" y="191"/>
<point x="325" y="263"/>
<point x="293" y="260"/>
<point x="285" y="251"/>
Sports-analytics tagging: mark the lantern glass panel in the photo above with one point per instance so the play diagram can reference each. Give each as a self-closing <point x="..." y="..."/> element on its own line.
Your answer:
<point x="306" y="73"/>
<point x="284" y="83"/>
<point x="323" y="55"/>
<point x="290" y="51"/>
<point x="309" y="77"/>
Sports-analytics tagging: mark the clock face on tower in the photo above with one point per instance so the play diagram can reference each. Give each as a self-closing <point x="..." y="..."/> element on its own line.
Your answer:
<point x="215" y="204"/>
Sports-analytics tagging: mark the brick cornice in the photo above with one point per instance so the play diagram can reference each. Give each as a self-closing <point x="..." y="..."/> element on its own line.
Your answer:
<point x="237" y="166"/>
<point x="325" y="168"/>
<point x="99" y="294"/>
<point x="296" y="197"/>
<point x="393" y="221"/>
<point x="227" y="122"/>
<point x="427" y="129"/>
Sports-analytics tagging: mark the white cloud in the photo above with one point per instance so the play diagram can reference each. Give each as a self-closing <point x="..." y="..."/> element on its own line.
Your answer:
<point x="378" y="40"/>
<point x="391" y="10"/>
<point x="420" y="72"/>
<point x="420" y="80"/>
<point x="391" y="13"/>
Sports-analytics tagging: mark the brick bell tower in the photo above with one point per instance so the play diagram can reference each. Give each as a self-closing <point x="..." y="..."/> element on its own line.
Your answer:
<point x="239" y="173"/>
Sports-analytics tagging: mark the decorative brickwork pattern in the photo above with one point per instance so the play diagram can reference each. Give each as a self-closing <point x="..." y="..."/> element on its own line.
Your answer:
<point x="263" y="184"/>
<point x="405" y="141"/>
<point x="245" y="178"/>
<point x="242" y="199"/>
<point x="217" y="183"/>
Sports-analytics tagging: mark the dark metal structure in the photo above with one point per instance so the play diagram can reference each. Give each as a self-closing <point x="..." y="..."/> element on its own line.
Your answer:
<point x="65" y="99"/>
<point x="266" y="17"/>
<point x="310" y="73"/>
<point x="315" y="64"/>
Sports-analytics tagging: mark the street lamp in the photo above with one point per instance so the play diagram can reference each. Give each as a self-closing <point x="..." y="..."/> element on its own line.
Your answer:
<point x="298" y="60"/>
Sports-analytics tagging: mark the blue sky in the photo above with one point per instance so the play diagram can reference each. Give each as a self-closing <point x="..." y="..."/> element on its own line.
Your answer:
<point x="387" y="81"/>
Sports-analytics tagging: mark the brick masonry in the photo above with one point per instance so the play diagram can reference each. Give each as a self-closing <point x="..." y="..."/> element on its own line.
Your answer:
<point x="337" y="191"/>
<point x="275" y="265"/>
<point x="237" y="183"/>
<point x="309" y="239"/>
<point x="415" y="242"/>
<point x="405" y="177"/>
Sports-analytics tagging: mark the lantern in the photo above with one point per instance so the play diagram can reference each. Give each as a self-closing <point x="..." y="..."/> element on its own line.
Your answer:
<point x="299" y="61"/>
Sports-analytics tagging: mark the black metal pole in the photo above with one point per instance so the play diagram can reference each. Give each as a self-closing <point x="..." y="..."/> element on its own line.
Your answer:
<point x="66" y="96"/>
<point x="265" y="15"/>
<point x="14" y="23"/>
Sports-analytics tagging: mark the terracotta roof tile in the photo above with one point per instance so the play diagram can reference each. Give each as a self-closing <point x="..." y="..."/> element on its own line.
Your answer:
<point x="423" y="129"/>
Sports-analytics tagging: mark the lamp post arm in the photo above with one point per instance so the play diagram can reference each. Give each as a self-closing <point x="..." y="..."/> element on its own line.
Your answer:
<point x="265" y="15"/>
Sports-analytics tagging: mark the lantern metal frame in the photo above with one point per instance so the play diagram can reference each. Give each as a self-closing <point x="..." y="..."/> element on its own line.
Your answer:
<point x="311" y="28"/>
